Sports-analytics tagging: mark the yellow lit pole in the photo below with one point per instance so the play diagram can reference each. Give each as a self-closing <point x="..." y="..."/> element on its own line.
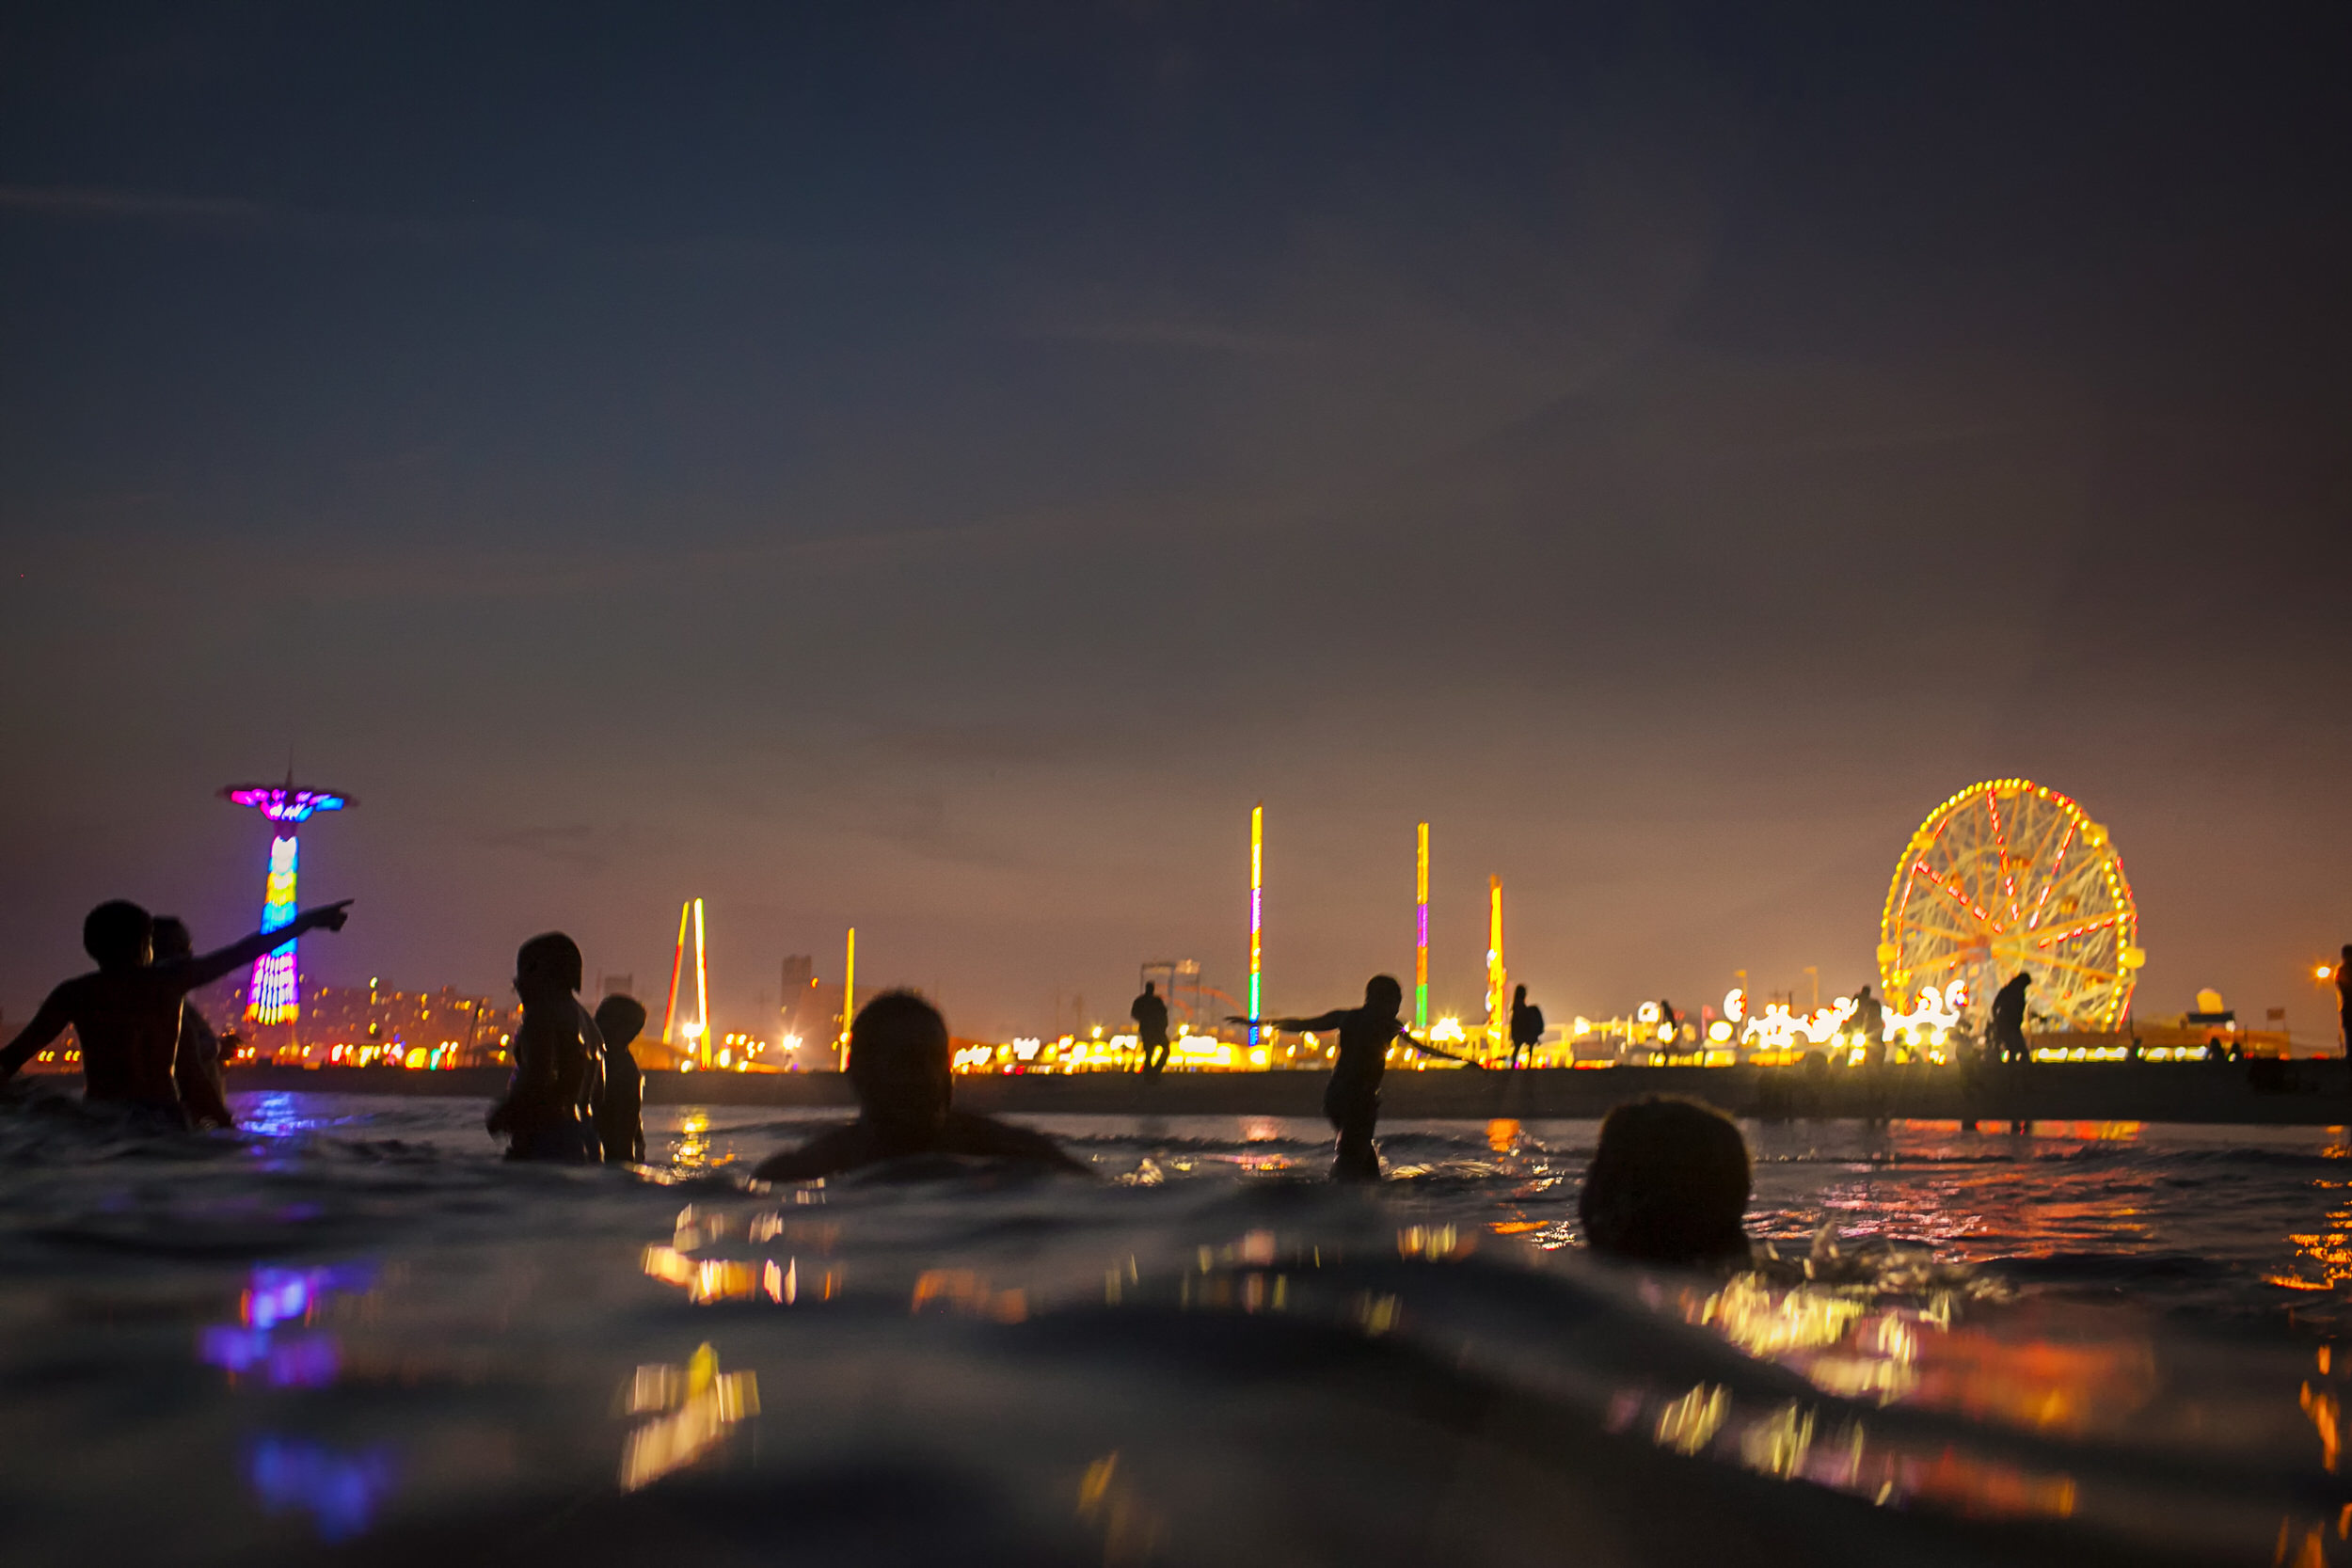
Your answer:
<point x="702" y="990"/>
<point x="1498" y="1001"/>
<point x="848" y="996"/>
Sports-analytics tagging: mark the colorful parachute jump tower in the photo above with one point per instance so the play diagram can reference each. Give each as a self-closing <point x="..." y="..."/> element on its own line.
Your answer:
<point x="276" y="993"/>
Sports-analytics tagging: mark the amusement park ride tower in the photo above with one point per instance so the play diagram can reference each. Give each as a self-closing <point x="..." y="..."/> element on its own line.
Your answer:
<point x="276" y="993"/>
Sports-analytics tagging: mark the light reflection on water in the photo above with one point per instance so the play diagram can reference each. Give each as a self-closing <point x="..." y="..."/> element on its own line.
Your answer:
<point x="434" y="1325"/>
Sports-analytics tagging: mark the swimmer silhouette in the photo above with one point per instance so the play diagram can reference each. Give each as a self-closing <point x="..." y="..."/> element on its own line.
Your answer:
<point x="550" y="1104"/>
<point x="196" y="1072"/>
<point x="2009" y="1019"/>
<point x="1527" y="1025"/>
<point x="1151" y="1015"/>
<point x="620" y="1110"/>
<point x="1352" y="1099"/>
<point x="1668" y="1185"/>
<point x="127" y="1015"/>
<point x="899" y="1057"/>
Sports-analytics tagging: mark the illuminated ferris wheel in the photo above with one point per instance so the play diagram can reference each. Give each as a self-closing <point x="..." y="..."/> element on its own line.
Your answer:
<point x="2009" y="875"/>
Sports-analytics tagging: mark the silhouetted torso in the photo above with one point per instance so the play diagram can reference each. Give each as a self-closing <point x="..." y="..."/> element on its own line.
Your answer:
<point x="127" y="1022"/>
<point x="1151" y="1015"/>
<point x="558" y="1073"/>
<point x="197" y="1075"/>
<point x="1527" y="1025"/>
<point x="620" y="1110"/>
<point x="1365" y="1036"/>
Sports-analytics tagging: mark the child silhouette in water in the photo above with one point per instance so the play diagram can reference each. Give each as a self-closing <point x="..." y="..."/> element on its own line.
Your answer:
<point x="899" y="1060"/>
<point x="127" y="1015"/>
<point x="620" y="1114"/>
<point x="1352" y="1098"/>
<point x="203" y="1089"/>
<point x="550" y="1107"/>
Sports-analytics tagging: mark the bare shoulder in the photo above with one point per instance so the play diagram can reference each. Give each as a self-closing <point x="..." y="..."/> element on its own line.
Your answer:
<point x="830" y="1152"/>
<point x="971" y="1134"/>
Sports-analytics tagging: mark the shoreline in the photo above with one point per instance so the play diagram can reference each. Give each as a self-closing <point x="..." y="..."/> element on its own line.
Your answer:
<point x="2306" y="1093"/>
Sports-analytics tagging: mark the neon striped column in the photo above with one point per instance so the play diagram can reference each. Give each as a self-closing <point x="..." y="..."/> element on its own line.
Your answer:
<point x="1256" y="912"/>
<point x="276" y="993"/>
<point x="1421" y="933"/>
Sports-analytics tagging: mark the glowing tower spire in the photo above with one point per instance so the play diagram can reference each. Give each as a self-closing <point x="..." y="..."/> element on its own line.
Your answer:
<point x="1257" y="911"/>
<point x="275" y="995"/>
<point x="1421" y="933"/>
<point x="849" y="995"/>
<point x="677" y="968"/>
<point x="1497" y="990"/>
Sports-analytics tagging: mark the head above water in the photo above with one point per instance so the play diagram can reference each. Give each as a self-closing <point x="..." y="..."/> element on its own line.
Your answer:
<point x="547" y="966"/>
<point x="1149" y="986"/>
<point x="172" y="940"/>
<point x="1669" y="1185"/>
<point x="620" y="1019"/>
<point x="1519" y="994"/>
<point x="899" y="1064"/>
<point x="1383" y="996"/>
<point x="118" y="934"/>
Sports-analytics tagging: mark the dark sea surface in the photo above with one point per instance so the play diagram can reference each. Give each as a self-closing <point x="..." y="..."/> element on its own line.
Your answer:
<point x="352" y="1334"/>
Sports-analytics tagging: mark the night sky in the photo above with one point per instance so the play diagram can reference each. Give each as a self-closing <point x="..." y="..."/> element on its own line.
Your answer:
<point x="936" y="467"/>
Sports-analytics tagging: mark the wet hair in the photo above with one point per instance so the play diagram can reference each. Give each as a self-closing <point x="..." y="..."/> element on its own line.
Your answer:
<point x="552" y="953"/>
<point x="116" y="932"/>
<point x="1384" y="986"/>
<point x="172" y="940"/>
<point x="620" y="1019"/>
<point x="1668" y="1185"/>
<point x="895" y="1025"/>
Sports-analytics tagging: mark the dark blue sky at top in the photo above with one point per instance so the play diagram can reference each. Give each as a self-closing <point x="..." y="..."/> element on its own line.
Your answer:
<point x="935" y="468"/>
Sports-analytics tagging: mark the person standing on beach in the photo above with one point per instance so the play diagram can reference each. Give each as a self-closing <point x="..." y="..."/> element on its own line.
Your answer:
<point x="196" y="1072"/>
<point x="1352" y="1099"/>
<point x="2009" y="1019"/>
<point x="1527" y="1025"/>
<point x="550" y="1105"/>
<point x="2344" y="998"/>
<point x="1151" y="1015"/>
<point x="1869" y="1024"/>
<point x="127" y="1015"/>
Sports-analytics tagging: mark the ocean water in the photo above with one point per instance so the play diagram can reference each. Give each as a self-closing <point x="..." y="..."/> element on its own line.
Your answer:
<point x="353" y="1335"/>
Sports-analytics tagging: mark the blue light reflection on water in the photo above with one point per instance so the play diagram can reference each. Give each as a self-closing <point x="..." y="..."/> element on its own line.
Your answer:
<point x="340" y="1491"/>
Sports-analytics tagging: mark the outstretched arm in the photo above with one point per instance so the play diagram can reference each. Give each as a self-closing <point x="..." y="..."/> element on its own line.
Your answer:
<point x="47" y="1025"/>
<point x="1296" y="1025"/>
<point x="205" y="968"/>
<point x="1428" y="1050"/>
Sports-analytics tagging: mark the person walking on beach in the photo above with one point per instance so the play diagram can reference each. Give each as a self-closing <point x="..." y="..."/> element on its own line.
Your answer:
<point x="620" y="1110"/>
<point x="550" y="1105"/>
<point x="2009" y="1019"/>
<point x="901" y="1066"/>
<point x="1352" y="1099"/>
<point x="127" y="1015"/>
<point x="1527" y="1025"/>
<point x="1151" y="1015"/>
<point x="196" y="1072"/>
